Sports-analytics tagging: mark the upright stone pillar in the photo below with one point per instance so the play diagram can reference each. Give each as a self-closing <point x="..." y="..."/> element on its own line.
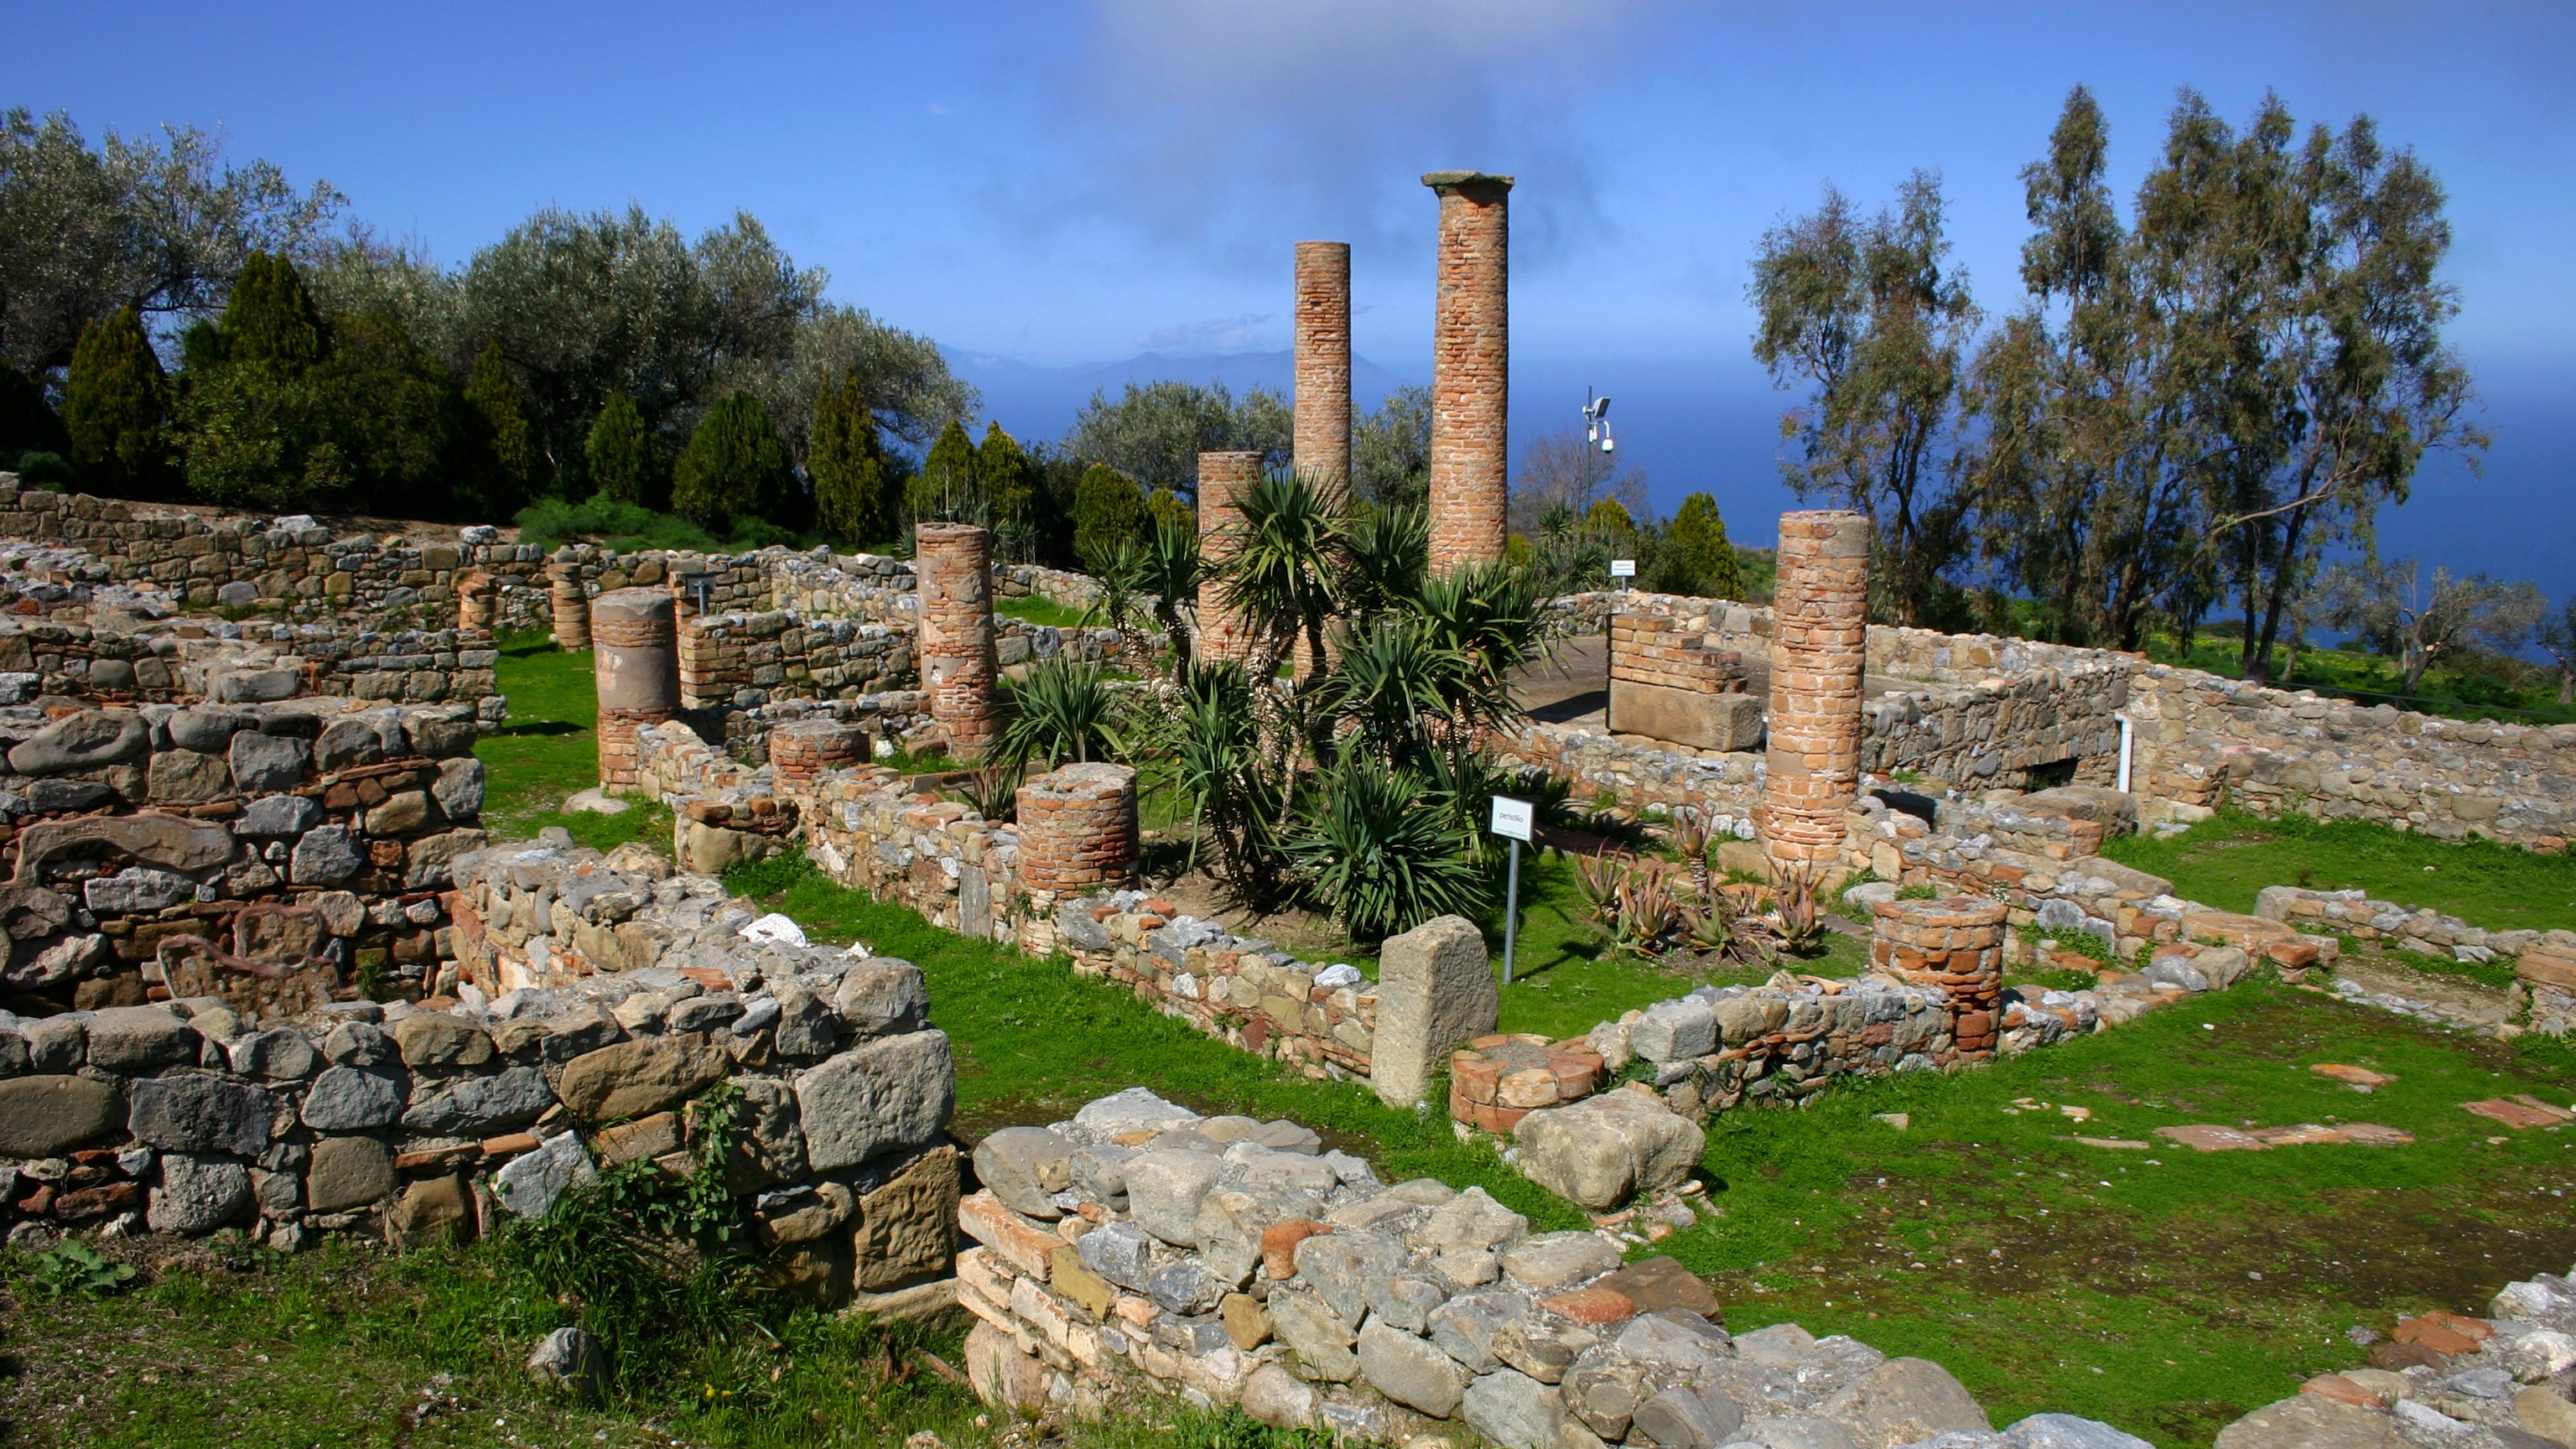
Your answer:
<point x="1470" y="370"/>
<point x="1078" y="829"/>
<point x="1223" y="480"/>
<point x="1435" y="993"/>
<point x="1819" y="650"/>
<point x="478" y="601"/>
<point x="1322" y="433"/>
<point x="953" y="566"/>
<point x="571" y="604"/>
<point x="637" y="667"/>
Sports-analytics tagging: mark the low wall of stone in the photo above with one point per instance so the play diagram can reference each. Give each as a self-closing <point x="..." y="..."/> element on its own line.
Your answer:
<point x="807" y="1078"/>
<point x="1140" y="1252"/>
<point x="1244" y="991"/>
<point x="265" y="853"/>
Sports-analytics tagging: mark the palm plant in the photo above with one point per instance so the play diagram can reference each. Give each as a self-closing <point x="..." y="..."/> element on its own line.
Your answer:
<point x="1118" y="596"/>
<point x="1489" y="613"/>
<point x="1380" y="861"/>
<point x="1062" y="709"/>
<point x="1221" y="768"/>
<point x="1395" y="686"/>
<point x="1690" y="841"/>
<point x="1386" y="550"/>
<point x="1169" y="568"/>
<point x="1287" y="550"/>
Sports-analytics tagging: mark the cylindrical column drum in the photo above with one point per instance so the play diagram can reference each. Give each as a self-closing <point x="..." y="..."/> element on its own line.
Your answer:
<point x="1078" y="829"/>
<point x="637" y="668"/>
<point x="571" y="605"/>
<point x="953" y="566"/>
<point x="1819" y="651"/>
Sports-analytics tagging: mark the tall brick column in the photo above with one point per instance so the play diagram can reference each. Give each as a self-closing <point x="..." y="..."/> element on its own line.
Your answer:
<point x="637" y="667"/>
<point x="1956" y="944"/>
<point x="1322" y="435"/>
<point x="478" y="601"/>
<point x="953" y="563"/>
<point x="1223" y="480"/>
<point x="571" y="604"/>
<point x="1078" y="829"/>
<point x="1470" y="370"/>
<point x="1819" y="647"/>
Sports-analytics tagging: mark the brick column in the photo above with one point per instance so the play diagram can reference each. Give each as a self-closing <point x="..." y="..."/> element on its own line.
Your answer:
<point x="1322" y="437"/>
<point x="953" y="563"/>
<point x="801" y="750"/>
<point x="1956" y="944"/>
<point x="637" y="668"/>
<point x="478" y="601"/>
<point x="1223" y="480"/>
<point x="1819" y="647"/>
<point x="571" y="604"/>
<point x="1470" y="370"/>
<point x="1078" y="829"/>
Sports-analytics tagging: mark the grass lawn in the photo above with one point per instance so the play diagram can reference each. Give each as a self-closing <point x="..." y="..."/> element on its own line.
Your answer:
<point x="2473" y="688"/>
<point x="2225" y="860"/>
<point x="548" y="750"/>
<point x="1038" y="610"/>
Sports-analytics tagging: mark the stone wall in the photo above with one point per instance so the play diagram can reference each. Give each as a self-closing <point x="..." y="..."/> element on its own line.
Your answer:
<point x="264" y="852"/>
<point x="440" y="1119"/>
<point x="1140" y="1252"/>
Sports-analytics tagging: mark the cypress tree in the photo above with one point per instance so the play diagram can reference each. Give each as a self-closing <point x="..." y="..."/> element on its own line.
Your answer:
<point x="734" y="467"/>
<point x="853" y="488"/>
<point x="116" y="404"/>
<point x="625" y="460"/>
<point x="509" y="468"/>
<point x="1696" y="557"/>
<point x="270" y="317"/>
<point x="948" y="486"/>
<point x="1108" y="509"/>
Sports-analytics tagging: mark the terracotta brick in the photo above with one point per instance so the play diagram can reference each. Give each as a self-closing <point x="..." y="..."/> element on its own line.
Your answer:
<point x="1321" y="438"/>
<point x="953" y="568"/>
<point x="1470" y="369"/>
<point x="1223" y="480"/>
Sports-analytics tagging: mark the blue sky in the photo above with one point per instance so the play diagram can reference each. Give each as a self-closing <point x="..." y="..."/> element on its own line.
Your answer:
<point x="1068" y="184"/>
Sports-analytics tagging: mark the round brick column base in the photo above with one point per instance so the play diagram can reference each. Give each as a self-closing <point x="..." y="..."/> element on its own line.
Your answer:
<point x="1078" y="829"/>
<point x="636" y="667"/>
<point x="621" y="745"/>
<point x="953" y="569"/>
<point x="1819" y="654"/>
<point x="1955" y="943"/>
<point x="807" y="747"/>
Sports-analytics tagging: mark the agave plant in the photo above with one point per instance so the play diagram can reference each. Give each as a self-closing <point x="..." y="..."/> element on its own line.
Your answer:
<point x="1690" y="841"/>
<point x="1063" y="709"/>
<point x="1651" y="918"/>
<point x="1724" y="929"/>
<point x="1378" y="860"/>
<point x="1800" y="911"/>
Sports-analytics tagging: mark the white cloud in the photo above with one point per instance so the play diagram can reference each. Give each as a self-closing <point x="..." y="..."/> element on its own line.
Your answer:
<point x="1250" y="332"/>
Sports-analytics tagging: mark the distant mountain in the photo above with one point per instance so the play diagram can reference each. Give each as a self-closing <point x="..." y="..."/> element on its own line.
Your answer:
<point x="1039" y="403"/>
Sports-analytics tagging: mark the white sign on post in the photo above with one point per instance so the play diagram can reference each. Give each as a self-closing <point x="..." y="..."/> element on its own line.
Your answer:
<point x="1623" y="568"/>
<point x="1512" y="818"/>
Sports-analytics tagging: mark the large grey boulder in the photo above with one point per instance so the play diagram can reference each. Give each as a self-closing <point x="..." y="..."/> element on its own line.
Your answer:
<point x="1342" y="1265"/>
<point x="266" y="763"/>
<point x="807" y="1025"/>
<point x="1904" y="1401"/>
<point x="570" y="1360"/>
<point x="1275" y="1396"/>
<point x="138" y="1038"/>
<point x="472" y="1106"/>
<point x="459" y="790"/>
<point x="1136" y="1109"/>
<point x="1681" y="1417"/>
<point x="1672" y="1031"/>
<point x="1435" y="992"/>
<point x="1603" y="1150"/>
<point x="638" y="1078"/>
<point x="1119" y="1251"/>
<point x="531" y="1183"/>
<point x="83" y="741"/>
<point x="203" y="728"/>
<point x="1550" y="1261"/>
<point x="49" y="1115"/>
<point x="347" y="1099"/>
<point x="1025" y="1167"/>
<point x="326" y="855"/>
<point x="883" y="995"/>
<point x="1409" y="1370"/>
<point x="200" y="1114"/>
<point x="893" y="1093"/>
<point x="1164" y="1188"/>
<point x="196" y="1194"/>
<point x="1513" y="1410"/>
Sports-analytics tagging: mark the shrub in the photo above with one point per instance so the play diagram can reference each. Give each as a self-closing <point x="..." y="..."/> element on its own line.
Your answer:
<point x="270" y="316"/>
<point x="1695" y="557"/>
<point x="1377" y="859"/>
<point x="116" y="403"/>
<point x="854" y="488"/>
<point x="624" y="458"/>
<point x="946" y="490"/>
<point x="1108" y="510"/>
<point x="1062" y="709"/>
<point x="506" y="468"/>
<point x="734" y="467"/>
<point x="51" y="471"/>
<point x="27" y="421"/>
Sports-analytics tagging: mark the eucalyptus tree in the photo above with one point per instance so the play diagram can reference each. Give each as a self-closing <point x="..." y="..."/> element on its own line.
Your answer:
<point x="1868" y="317"/>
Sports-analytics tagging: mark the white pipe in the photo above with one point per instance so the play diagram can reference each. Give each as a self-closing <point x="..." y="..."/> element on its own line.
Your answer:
<point x="2128" y="736"/>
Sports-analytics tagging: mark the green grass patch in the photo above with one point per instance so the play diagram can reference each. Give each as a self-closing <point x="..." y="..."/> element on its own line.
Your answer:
<point x="2224" y="861"/>
<point x="1036" y="609"/>
<point x="548" y="749"/>
<point x="2164" y="1291"/>
<point x="2478" y="686"/>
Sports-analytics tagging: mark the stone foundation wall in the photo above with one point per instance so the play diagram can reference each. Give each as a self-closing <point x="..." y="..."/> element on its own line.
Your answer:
<point x="265" y="853"/>
<point x="442" y="1119"/>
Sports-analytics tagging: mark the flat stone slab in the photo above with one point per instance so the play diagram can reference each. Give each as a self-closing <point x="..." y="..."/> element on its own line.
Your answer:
<point x="2362" y="1077"/>
<point x="2203" y="1137"/>
<point x="2123" y="1144"/>
<point x="2520" y="1111"/>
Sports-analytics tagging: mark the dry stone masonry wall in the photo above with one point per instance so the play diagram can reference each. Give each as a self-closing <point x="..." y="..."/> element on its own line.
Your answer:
<point x="1140" y="1251"/>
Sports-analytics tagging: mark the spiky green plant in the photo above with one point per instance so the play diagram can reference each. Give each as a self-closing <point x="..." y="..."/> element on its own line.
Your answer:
<point x="1378" y="860"/>
<point x="1220" y="767"/>
<point x="1288" y="549"/>
<point x="1062" y="709"/>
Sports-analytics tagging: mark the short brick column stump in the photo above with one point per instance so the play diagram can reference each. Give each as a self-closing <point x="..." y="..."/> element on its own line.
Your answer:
<point x="478" y="601"/>
<point x="805" y="748"/>
<point x="637" y="669"/>
<point x="571" y="605"/>
<point x="953" y="563"/>
<point x="1819" y="651"/>
<point x="1955" y="943"/>
<point x="1495" y="1081"/>
<point x="1078" y="829"/>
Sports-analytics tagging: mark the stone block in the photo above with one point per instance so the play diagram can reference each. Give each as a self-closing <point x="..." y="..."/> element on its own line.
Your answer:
<point x="890" y="1094"/>
<point x="49" y="1115"/>
<point x="1435" y="992"/>
<point x="1699" y="720"/>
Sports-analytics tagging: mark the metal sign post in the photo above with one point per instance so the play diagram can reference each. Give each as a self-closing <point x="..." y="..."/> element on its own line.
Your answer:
<point x="1512" y="820"/>
<point x="1623" y="569"/>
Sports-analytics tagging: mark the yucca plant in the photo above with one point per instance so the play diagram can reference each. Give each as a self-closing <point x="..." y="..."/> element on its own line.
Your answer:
<point x="1386" y="550"/>
<point x="1118" y="597"/>
<point x="1394" y="687"/>
<point x="1220" y="767"/>
<point x="1286" y="551"/>
<point x="1061" y="710"/>
<point x="1378" y="860"/>
<point x="1489" y="614"/>
<point x="992" y="790"/>
<point x="1168" y="567"/>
